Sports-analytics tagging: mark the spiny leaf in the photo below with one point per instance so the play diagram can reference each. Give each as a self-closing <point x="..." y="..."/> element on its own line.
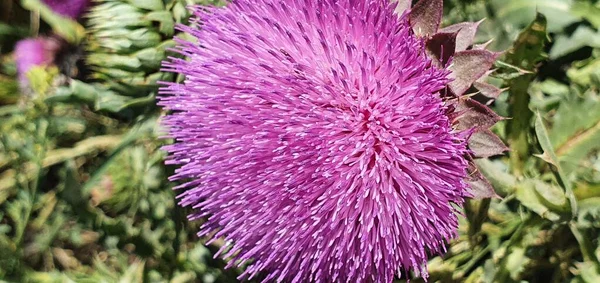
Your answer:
<point x="473" y="114"/>
<point x="403" y="5"/>
<point x="465" y="33"/>
<point x="480" y="186"/>
<point x="484" y="144"/>
<point x="526" y="52"/>
<point x="488" y="90"/>
<point x="503" y="182"/>
<point x="482" y="46"/>
<point x="468" y="66"/>
<point x="426" y="16"/>
<point x="550" y="156"/>
<point x="441" y="46"/>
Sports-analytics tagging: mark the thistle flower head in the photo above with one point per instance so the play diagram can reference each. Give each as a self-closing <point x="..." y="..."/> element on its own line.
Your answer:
<point x="33" y="52"/>
<point x="323" y="140"/>
<point x="68" y="8"/>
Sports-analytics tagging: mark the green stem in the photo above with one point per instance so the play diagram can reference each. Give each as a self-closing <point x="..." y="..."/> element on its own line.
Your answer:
<point x="586" y="247"/>
<point x="518" y="127"/>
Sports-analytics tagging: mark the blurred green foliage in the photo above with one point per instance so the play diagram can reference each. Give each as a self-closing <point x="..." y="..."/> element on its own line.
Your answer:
<point x="84" y="195"/>
<point x="546" y="226"/>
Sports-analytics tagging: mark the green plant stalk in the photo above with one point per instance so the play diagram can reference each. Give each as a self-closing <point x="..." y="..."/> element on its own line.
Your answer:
<point x="586" y="247"/>
<point x="53" y="157"/>
<point x="526" y="53"/>
<point x="518" y="126"/>
<point x="471" y="264"/>
<point x="502" y="275"/>
<point x="477" y="212"/>
<point x="42" y="130"/>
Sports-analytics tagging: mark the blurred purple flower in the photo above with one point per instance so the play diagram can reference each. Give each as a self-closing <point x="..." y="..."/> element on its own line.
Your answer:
<point x="33" y="52"/>
<point x="68" y="8"/>
<point x="320" y="139"/>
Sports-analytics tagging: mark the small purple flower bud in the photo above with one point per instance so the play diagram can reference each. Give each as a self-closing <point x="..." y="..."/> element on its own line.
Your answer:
<point x="33" y="52"/>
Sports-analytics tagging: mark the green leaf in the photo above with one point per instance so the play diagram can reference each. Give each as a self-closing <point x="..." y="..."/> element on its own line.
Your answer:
<point x="582" y="37"/>
<point x="516" y="261"/>
<point x="153" y="5"/>
<point x="150" y="57"/>
<point x="575" y="126"/>
<point x="115" y="16"/>
<point x="140" y="130"/>
<point x="588" y="11"/>
<point x="585" y="243"/>
<point x="574" y="153"/>
<point x="9" y="90"/>
<point x="111" y="102"/>
<point x="575" y="114"/>
<point x="547" y="95"/>
<point x="77" y="91"/>
<point x="528" y="48"/>
<point x="19" y="210"/>
<point x="547" y="201"/>
<point x="165" y="20"/>
<point x="589" y="271"/>
<point x="180" y="13"/>
<point x="589" y="213"/>
<point x="114" y="103"/>
<point x="550" y="156"/>
<point x="575" y="131"/>
<point x="126" y="40"/>
<point x="70" y="187"/>
<point x="497" y="175"/>
<point x="585" y="72"/>
<point x="9" y="34"/>
<point x="526" y="52"/>
<point x="135" y="273"/>
<point x="123" y="62"/>
<point x="520" y="13"/>
<point x="41" y="78"/>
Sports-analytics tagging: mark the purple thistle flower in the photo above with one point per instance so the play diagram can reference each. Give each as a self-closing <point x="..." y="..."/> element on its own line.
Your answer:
<point x="68" y="8"/>
<point x="33" y="52"/>
<point x="326" y="140"/>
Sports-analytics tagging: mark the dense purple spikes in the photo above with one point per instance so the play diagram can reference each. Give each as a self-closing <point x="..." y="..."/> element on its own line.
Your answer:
<point x="313" y="136"/>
